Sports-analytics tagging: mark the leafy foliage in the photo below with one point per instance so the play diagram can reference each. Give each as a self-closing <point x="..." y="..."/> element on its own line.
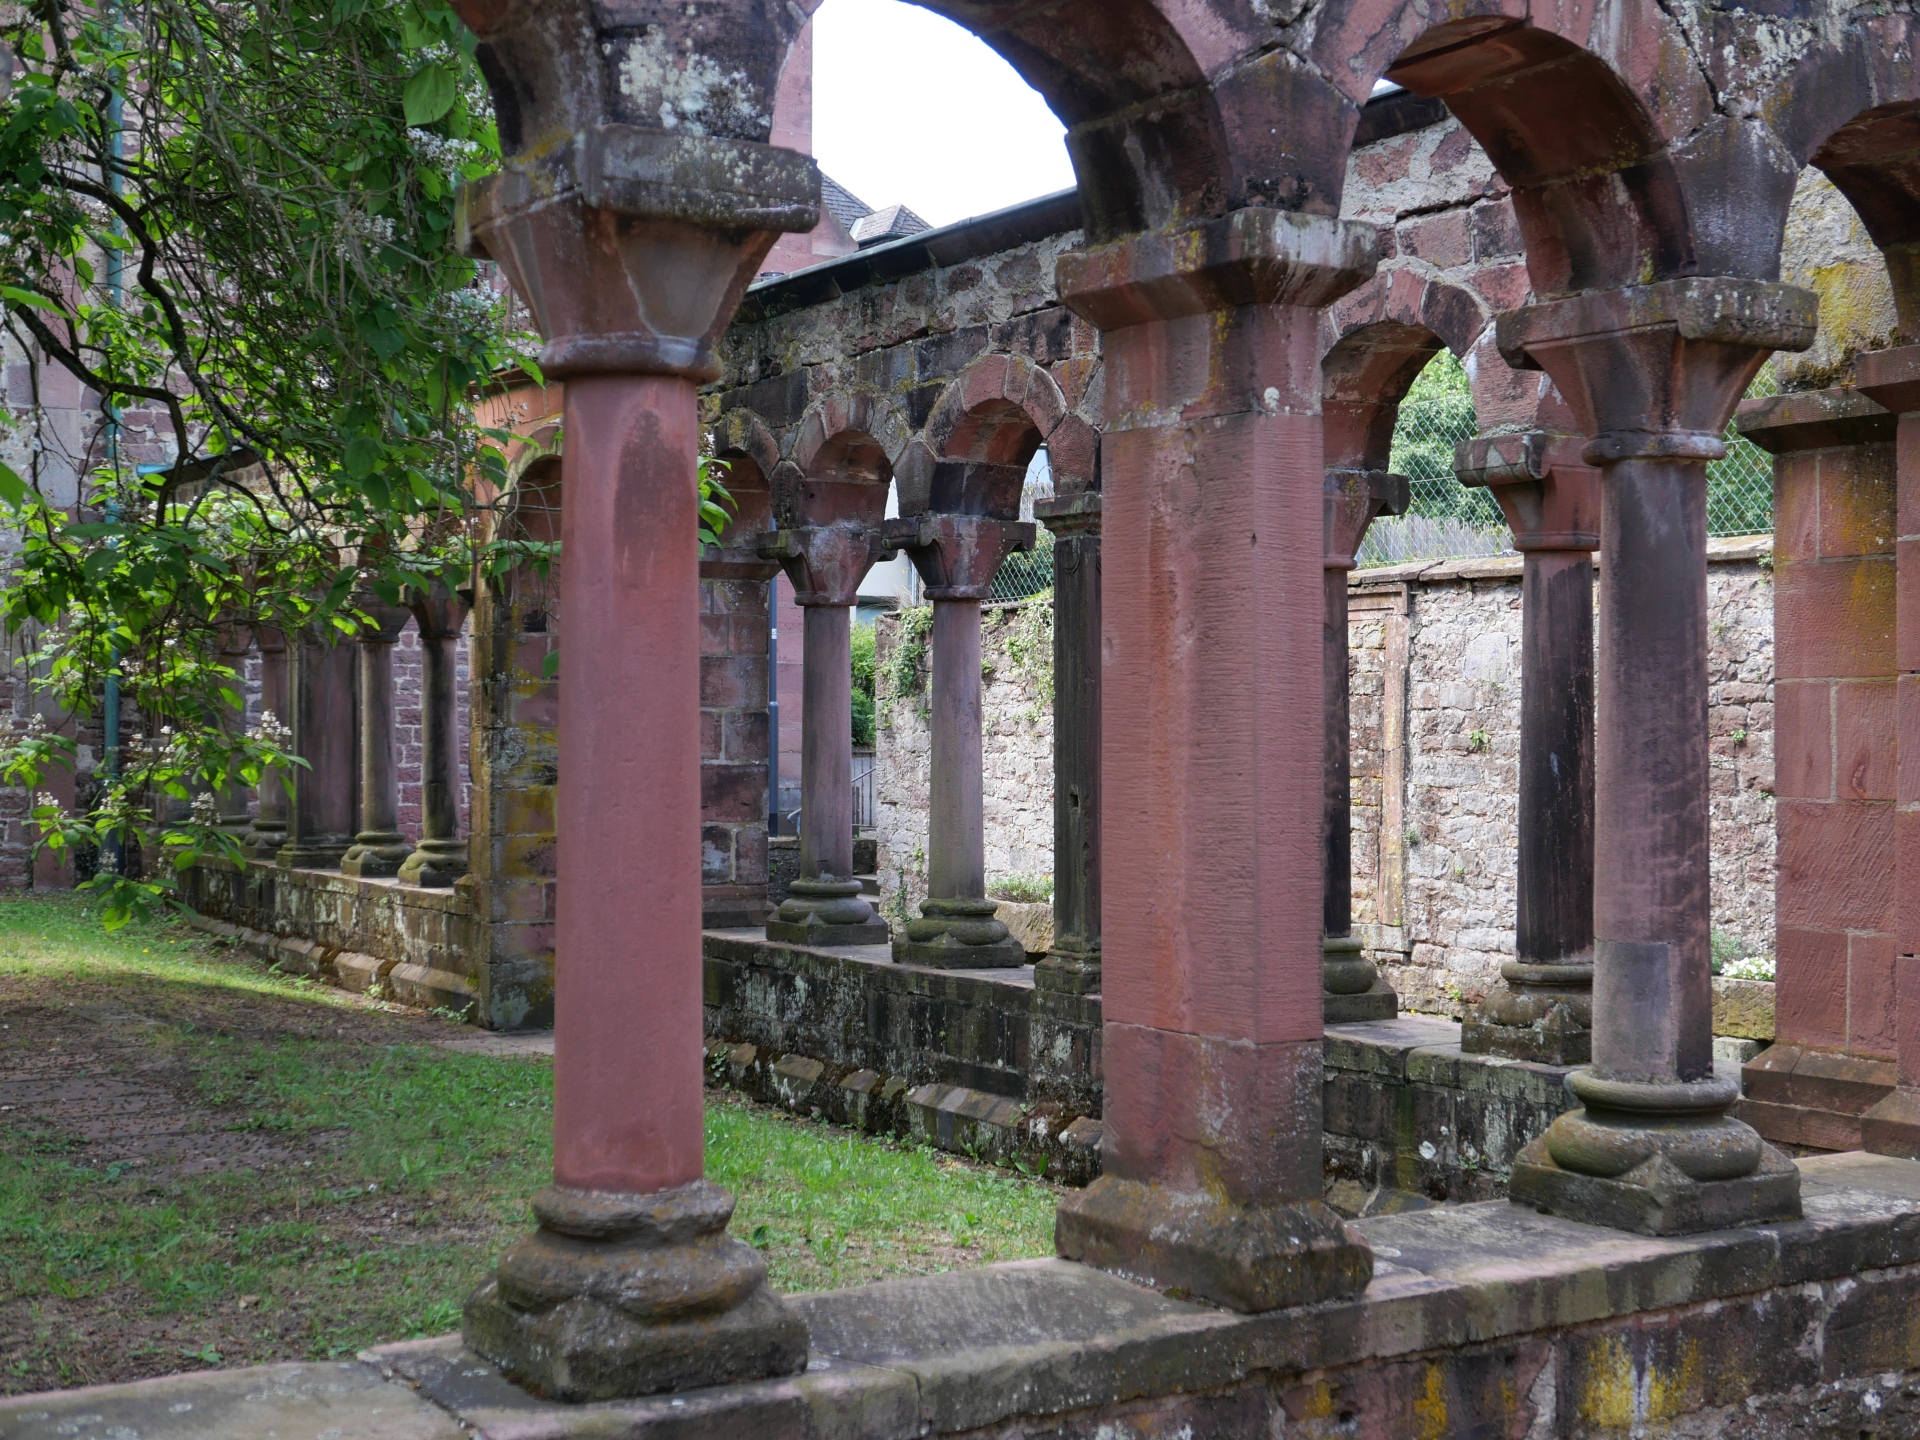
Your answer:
<point x="864" y="653"/>
<point x="230" y="223"/>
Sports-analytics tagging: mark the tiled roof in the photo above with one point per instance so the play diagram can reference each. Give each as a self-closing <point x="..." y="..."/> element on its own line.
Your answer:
<point x="893" y="223"/>
<point x="842" y="203"/>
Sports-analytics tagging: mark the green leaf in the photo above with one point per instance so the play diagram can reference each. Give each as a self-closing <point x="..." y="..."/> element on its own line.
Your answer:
<point x="429" y="94"/>
<point x="13" y="489"/>
<point x="18" y="296"/>
<point x="363" y="452"/>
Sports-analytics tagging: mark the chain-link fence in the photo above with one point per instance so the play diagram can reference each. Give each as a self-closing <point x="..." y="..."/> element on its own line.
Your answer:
<point x="1025" y="573"/>
<point x="1447" y="520"/>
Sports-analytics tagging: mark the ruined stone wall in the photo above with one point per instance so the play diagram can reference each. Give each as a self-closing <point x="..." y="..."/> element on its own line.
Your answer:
<point x="1434" y="891"/>
<point x="1016" y="708"/>
<point x="1435" y="685"/>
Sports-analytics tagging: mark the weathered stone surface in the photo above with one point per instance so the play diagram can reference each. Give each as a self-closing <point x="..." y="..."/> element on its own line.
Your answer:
<point x="1743" y="1008"/>
<point x="1481" y="1319"/>
<point x="288" y="1402"/>
<point x="371" y="935"/>
<point x="1031" y="923"/>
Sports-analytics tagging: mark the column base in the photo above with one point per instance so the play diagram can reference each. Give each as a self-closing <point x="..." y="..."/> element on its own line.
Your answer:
<point x="376" y="854"/>
<point x="827" y="912"/>
<point x="624" y="1295"/>
<point x="1892" y="1126"/>
<point x="315" y="852"/>
<point x="264" y="844"/>
<point x="958" y="935"/>
<point x="1246" y="1257"/>
<point x="1351" y="988"/>
<point x="1544" y="1013"/>
<point x="1068" y="972"/>
<point x="435" y="864"/>
<point x="1656" y="1159"/>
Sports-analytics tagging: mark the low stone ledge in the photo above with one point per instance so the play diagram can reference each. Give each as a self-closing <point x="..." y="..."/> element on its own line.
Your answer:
<point x="1481" y="1319"/>
<point x="1039" y="1139"/>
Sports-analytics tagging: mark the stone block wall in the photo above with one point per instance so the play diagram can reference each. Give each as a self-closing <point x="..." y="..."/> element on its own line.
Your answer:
<point x="1435" y="683"/>
<point x="1016" y="724"/>
<point x="733" y="751"/>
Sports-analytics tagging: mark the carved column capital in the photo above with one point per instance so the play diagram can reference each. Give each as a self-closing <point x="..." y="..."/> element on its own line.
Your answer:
<point x="740" y="560"/>
<point x="381" y="622"/>
<point x="1250" y="257"/>
<point x="1076" y="514"/>
<point x="439" y="610"/>
<point x="1543" y="484"/>
<point x="826" y="563"/>
<point x="631" y="246"/>
<point x="958" y="555"/>
<point x="1351" y="501"/>
<point x="1654" y="371"/>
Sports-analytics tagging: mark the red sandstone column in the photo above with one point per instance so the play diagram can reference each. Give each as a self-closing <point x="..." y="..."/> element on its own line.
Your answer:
<point x="1834" y="746"/>
<point x="236" y="643"/>
<point x="268" y="832"/>
<point x="1211" y="774"/>
<point x="1652" y="373"/>
<point x="1072" y="967"/>
<point x="1892" y="1127"/>
<point x="1350" y="501"/>
<point x="631" y="1285"/>
<point x="1551" y="498"/>
<point x="957" y="556"/>
<point x="441" y="856"/>
<point x="825" y="906"/>
<point x="379" y="849"/>
<point x="322" y="685"/>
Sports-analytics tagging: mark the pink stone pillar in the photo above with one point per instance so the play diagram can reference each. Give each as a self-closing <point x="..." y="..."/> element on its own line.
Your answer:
<point x="379" y="849"/>
<point x="825" y="906"/>
<point x="1211" y="761"/>
<point x="323" y="686"/>
<point x="1351" y="500"/>
<point x="957" y="556"/>
<point x="441" y="856"/>
<point x="1072" y="967"/>
<point x="234" y="813"/>
<point x="268" y="832"/>
<point x="632" y="248"/>
<point x="1652" y="373"/>
<point x="1551" y="498"/>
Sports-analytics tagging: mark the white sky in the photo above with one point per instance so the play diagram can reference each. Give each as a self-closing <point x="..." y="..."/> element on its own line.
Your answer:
<point x="910" y="108"/>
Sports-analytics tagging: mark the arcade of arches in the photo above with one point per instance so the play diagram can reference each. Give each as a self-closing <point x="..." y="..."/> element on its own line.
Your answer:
<point x="1590" y="205"/>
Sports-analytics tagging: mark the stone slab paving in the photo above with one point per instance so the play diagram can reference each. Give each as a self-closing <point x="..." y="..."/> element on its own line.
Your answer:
<point x="350" y="1401"/>
<point x="944" y="1354"/>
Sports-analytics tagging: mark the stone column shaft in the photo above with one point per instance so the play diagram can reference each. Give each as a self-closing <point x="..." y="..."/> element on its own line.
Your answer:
<point x="1072" y="967"/>
<point x="1351" y="501"/>
<point x="1543" y="1011"/>
<point x="1211" y="466"/>
<point x="379" y="849"/>
<point x="323" y="683"/>
<point x="233" y="812"/>
<point x="956" y="829"/>
<point x="957" y="556"/>
<point x="441" y="856"/>
<point x="1652" y="373"/>
<point x="269" y="829"/>
<point x="631" y="1284"/>
<point x="825" y="906"/>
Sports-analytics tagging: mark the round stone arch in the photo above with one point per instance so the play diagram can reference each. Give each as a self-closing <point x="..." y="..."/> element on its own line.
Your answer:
<point x="972" y="454"/>
<point x="745" y="445"/>
<point x="1376" y="341"/>
<point x="841" y="461"/>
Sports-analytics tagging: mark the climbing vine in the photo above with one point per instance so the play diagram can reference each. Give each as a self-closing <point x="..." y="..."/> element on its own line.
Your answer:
<point x="904" y="673"/>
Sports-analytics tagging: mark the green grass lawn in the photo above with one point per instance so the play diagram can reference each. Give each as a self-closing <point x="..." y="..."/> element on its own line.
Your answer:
<point x="359" y="1178"/>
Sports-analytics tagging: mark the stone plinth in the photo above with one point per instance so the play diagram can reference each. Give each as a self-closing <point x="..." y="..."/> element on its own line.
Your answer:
<point x="380" y="935"/>
<point x="1483" y="1320"/>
